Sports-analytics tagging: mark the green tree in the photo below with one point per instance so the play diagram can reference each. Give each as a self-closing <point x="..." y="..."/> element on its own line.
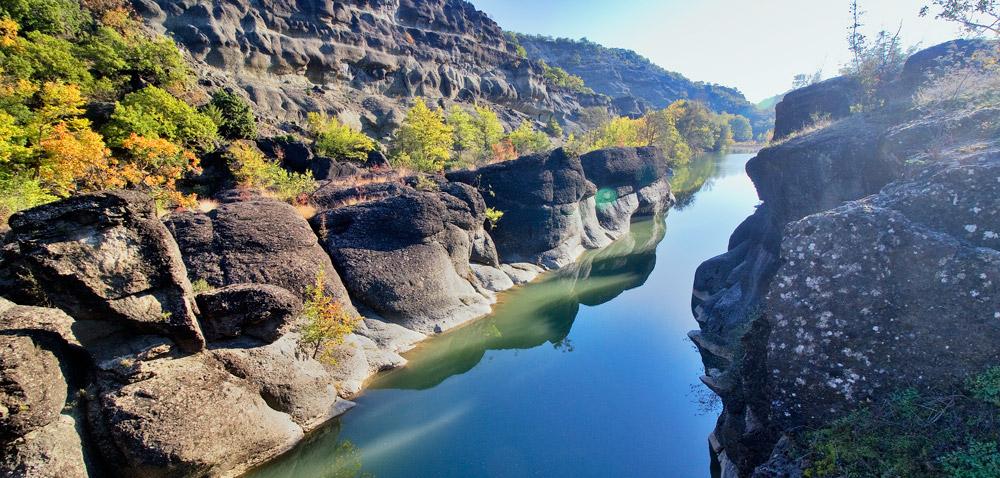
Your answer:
<point x="253" y="171"/>
<point x="51" y="17"/>
<point x="526" y="139"/>
<point x="152" y="112"/>
<point x="236" y="119"/>
<point x="975" y="16"/>
<point x="338" y="140"/>
<point x="424" y="140"/>
<point x="477" y="134"/>
<point x="740" y="126"/>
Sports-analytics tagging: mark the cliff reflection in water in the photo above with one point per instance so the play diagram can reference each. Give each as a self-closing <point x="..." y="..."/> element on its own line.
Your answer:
<point x="541" y="312"/>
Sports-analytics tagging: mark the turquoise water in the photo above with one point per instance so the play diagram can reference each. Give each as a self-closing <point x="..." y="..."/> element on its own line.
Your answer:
<point x="587" y="372"/>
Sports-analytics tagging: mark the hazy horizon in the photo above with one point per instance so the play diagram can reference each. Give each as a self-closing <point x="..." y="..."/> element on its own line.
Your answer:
<point x="756" y="47"/>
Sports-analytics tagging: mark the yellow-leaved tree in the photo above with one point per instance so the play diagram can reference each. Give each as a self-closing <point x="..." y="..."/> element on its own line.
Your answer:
<point x="327" y="322"/>
<point x="424" y="140"/>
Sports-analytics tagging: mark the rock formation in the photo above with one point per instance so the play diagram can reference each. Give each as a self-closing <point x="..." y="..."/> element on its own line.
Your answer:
<point x="359" y="60"/>
<point x="870" y="266"/>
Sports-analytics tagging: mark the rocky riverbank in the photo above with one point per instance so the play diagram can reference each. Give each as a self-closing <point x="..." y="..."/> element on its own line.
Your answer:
<point x="872" y="265"/>
<point x="115" y="365"/>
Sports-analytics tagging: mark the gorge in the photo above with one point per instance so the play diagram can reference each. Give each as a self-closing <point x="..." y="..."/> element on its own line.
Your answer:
<point x="276" y="238"/>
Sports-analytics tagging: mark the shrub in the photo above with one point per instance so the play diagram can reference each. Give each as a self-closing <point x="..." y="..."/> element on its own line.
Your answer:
<point x="493" y="216"/>
<point x="424" y="141"/>
<point x="51" y="17"/>
<point x="235" y="116"/>
<point x="327" y="321"/>
<point x="19" y="192"/>
<point x="338" y="140"/>
<point x="154" y="165"/>
<point x="986" y="386"/>
<point x="154" y="113"/>
<point x="477" y="134"/>
<point x="252" y="170"/>
<point x="978" y="460"/>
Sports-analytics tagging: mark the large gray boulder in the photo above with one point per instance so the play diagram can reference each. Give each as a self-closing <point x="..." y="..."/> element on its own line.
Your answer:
<point x="105" y="257"/>
<point x="831" y="100"/>
<point x="52" y="451"/>
<point x="157" y="414"/>
<point x="259" y="240"/>
<point x="540" y="196"/>
<point x="630" y="182"/>
<point x="407" y="257"/>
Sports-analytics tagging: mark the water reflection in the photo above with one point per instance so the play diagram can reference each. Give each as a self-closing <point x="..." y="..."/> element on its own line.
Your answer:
<point x="687" y="180"/>
<point x="531" y="316"/>
<point x="342" y="460"/>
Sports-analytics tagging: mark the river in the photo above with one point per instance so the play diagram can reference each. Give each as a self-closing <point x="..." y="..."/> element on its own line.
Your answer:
<point x="586" y="372"/>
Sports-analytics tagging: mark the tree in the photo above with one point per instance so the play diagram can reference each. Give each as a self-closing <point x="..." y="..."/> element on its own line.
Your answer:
<point x="153" y="113"/>
<point x="424" y="140"/>
<point x="327" y="321"/>
<point x="236" y="119"/>
<point x="154" y="165"/>
<point x="741" y="129"/>
<point x="977" y="17"/>
<point x="337" y="140"/>
<point x="527" y="140"/>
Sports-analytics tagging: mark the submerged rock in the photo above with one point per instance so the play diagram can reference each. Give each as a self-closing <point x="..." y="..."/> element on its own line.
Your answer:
<point x="104" y="257"/>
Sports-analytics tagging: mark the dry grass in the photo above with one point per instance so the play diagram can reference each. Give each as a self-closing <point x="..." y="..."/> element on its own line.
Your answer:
<point x="307" y="211"/>
<point x="354" y="201"/>
<point x="207" y="205"/>
<point x="817" y="125"/>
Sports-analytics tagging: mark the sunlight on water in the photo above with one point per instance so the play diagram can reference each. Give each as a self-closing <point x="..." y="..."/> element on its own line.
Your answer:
<point x="587" y="372"/>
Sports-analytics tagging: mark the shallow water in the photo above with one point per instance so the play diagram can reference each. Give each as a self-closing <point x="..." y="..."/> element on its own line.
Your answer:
<point x="587" y="372"/>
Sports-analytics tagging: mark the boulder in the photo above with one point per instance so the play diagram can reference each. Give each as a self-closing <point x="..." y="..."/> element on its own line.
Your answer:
<point x="262" y="311"/>
<point x="259" y="240"/>
<point x="157" y="414"/>
<point x="105" y="257"/>
<point x="52" y="451"/>
<point x="540" y="198"/>
<point x="406" y="257"/>
<point x="288" y="379"/>
<point x="831" y="99"/>
<point x="356" y="360"/>
<point x="32" y="387"/>
<point x="630" y="182"/>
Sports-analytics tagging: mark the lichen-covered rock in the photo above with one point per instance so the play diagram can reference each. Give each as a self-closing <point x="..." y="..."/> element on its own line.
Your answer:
<point x="157" y="414"/>
<point x="105" y="257"/>
<point x="262" y="311"/>
<point x="407" y="256"/>
<point x="260" y="240"/>
<point x="900" y="289"/>
<point x="288" y="379"/>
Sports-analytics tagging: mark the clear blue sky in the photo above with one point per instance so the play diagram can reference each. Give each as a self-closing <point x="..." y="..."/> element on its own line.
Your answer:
<point x="756" y="46"/>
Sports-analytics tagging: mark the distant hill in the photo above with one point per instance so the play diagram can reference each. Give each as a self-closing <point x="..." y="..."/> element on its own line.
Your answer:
<point x="634" y="82"/>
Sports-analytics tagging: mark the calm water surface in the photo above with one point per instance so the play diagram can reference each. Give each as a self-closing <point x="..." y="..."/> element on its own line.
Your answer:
<point x="587" y="372"/>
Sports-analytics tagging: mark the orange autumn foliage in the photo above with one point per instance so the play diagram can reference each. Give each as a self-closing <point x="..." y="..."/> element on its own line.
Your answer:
<point x="155" y="164"/>
<point x="76" y="159"/>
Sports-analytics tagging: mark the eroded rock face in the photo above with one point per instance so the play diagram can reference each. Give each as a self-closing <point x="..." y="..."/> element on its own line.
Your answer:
<point x="407" y="256"/>
<point x="901" y="289"/>
<point x="258" y="240"/>
<point x="158" y="414"/>
<point x="264" y="312"/>
<point x="360" y="59"/>
<point x="105" y="257"/>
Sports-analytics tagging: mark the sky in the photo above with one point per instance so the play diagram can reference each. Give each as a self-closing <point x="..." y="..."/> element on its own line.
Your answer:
<point x="757" y="46"/>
